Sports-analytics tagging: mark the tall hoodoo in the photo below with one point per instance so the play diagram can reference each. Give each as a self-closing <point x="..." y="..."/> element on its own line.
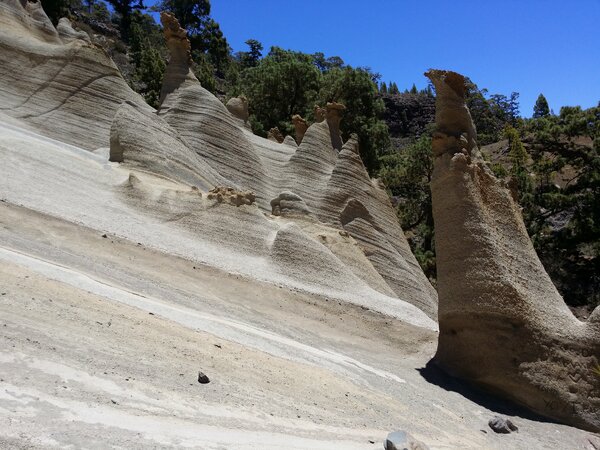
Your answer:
<point x="502" y="322"/>
<point x="179" y="73"/>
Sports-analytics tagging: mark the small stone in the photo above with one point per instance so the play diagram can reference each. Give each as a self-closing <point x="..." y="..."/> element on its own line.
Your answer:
<point x="104" y="236"/>
<point x="202" y="378"/>
<point x="501" y="425"/>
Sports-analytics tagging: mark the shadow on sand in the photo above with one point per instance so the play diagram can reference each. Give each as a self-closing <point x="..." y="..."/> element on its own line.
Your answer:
<point x="434" y="375"/>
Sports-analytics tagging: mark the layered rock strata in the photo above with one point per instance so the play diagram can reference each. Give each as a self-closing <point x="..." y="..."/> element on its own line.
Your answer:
<point x="503" y="325"/>
<point x="56" y="82"/>
<point x="324" y="178"/>
<point x="314" y="200"/>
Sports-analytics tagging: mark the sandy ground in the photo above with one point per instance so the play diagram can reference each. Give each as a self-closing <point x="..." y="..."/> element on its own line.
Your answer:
<point x="107" y="315"/>
<point x="105" y="351"/>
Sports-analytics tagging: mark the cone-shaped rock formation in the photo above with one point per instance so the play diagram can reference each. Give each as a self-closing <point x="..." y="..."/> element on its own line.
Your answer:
<point x="502" y="322"/>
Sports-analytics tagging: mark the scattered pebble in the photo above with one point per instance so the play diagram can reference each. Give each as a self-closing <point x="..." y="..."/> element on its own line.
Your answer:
<point x="202" y="378"/>
<point x="104" y="236"/>
<point x="501" y="425"/>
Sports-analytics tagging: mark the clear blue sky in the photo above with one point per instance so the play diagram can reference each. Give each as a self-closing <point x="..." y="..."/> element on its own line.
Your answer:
<point x="528" y="46"/>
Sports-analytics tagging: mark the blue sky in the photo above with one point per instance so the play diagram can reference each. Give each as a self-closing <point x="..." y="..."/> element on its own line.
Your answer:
<point x="528" y="46"/>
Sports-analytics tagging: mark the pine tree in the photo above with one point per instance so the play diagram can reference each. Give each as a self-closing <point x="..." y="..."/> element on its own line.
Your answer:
<point x="518" y="158"/>
<point x="394" y="88"/>
<point x="413" y="89"/>
<point x="383" y="88"/>
<point x="541" y="108"/>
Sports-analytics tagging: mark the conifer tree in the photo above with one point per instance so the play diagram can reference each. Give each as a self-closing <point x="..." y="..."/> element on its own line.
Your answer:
<point x="541" y="108"/>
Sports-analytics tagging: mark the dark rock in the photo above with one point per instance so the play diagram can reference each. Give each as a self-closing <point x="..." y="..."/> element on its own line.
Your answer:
<point x="501" y="425"/>
<point x="202" y="378"/>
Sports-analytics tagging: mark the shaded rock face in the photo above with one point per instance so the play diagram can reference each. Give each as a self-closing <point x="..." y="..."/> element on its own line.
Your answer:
<point x="503" y="324"/>
<point x="56" y="82"/>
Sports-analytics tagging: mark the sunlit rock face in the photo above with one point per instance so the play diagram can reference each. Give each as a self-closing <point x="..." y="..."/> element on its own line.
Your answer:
<point x="57" y="82"/>
<point x="59" y="85"/>
<point x="502" y="322"/>
<point x="322" y="171"/>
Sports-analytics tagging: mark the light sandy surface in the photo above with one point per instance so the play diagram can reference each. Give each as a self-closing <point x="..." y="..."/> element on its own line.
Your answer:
<point x="102" y="338"/>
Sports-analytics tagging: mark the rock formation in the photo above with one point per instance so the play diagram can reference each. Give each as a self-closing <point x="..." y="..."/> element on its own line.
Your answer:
<point x="223" y="194"/>
<point x="74" y="93"/>
<point x="319" y="113"/>
<point x="289" y="204"/>
<point x="334" y="117"/>
<point x="141" y="139"/>
<point x="300" y="126"/>
<point x="503" y="325"/>
<point x="238" y="107"/>
<point x="67" y="33"/>
<point x="59" y="85"/>
<point x="275" y="135"/>
<point x="323" y="177"/>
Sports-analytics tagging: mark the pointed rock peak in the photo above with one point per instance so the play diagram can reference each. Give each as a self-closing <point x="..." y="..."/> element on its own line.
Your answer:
<point x="300" y="126"/>
<point x="290" y="141"/>
<point x="238" y="107"/>
<point x="177" y="40"/>
<point x="352" y="144"/>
